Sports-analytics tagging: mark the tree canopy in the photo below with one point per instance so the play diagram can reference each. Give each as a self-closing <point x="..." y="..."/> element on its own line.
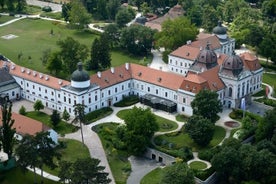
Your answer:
<point x="207" y="104"/>
<point x="38" y="105"/>
<point x="78" y="15"/>
<point x="176" y="33"/>
<point x="200" y="129"/>
<point x="178" y="173"/>
<point x="140" y="127"/>
<point x="85" y="170"/>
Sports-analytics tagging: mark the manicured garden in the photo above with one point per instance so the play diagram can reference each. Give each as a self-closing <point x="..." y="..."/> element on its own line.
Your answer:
<point x="164" y="124"/>
<point x="62" y="128"/>
<point x="198" y="165"/>
<point x="117" y="159"/>
<point x="172" y="142"/>
<point x="98" y="114"/>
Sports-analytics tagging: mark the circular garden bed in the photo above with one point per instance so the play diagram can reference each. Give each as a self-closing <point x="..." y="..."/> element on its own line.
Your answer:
<point x="198" y="165"/>
<point x="231" y="124"/>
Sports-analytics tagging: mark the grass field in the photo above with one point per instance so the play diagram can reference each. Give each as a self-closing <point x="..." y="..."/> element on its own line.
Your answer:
<point x="164" y="124"/>
<point x="34" y="37"/>
<point x="153" y="177"/>
<point x="62" y="128"/>
<point x="270" y="79"/>
<point x="4" y="18"/>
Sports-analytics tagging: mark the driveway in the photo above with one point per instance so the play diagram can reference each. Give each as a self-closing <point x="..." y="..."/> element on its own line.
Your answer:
<point x="55" y="7"/>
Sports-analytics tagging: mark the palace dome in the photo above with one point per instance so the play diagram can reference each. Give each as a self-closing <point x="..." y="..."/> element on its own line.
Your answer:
<point x="219" y="29"/>
<point x="80" y="75"/>
<point x="233" y="64"/>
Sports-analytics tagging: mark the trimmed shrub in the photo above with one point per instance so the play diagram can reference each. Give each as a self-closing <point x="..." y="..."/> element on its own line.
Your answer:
<point x="98" y="114"/>
<point x="47" y="9"/>
<point x="127" y="101"/>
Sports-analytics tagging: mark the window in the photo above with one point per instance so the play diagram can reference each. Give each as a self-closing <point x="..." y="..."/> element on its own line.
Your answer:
<point x="102" y="95"/>
<point x="89" y="100"/>
<point x="75" y="102"/>
<point x="156" y="91"/>
<point x="184" y="100"/>
<point x="108" y="92"/>
<point x="45" y="90"/>
<point x="13" y="93"/>
<point x="96" y="98"/>
<point x="175" y="97"/>
<point x="59" y="95"/>
<point x="39" y="89"/>
<point x="148" y="89"/>
<point x="142" y="87"/>
<point x="115" y="90"/>
<point x="52" y="93"/>
<point x="69" y="101"/>
<point x="21" y="82"/>
<point x="33" y="87"/>
<point x="27" y="84"/>
<point x="166" y="94"/>
<point x="230" y="92"/>
<point x="128" y="85"/>
<point x="122" y="87"/>
<point x="183" y="109"/>
<point x="64" y="99"/>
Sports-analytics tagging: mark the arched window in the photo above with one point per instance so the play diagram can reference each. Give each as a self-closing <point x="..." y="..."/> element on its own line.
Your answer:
<point x="230" y="92"/>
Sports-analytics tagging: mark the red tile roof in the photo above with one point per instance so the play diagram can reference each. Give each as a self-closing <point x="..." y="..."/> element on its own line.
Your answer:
<point x="212" y="77"/>
<point x="201" y="43"/>
<point x="187" y="52"/>
<point x="108" y="78"/>
<point x="194" y="83"/>
<point x="157" y="77"/>
<point x="251" y="62"/>
<point x="25" y="125"/>
<point x="35" y="76"/>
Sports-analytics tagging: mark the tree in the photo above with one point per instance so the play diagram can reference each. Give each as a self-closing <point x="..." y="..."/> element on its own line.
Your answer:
<point x="137" y="39"/>
<point x="46" y="150"/>
<point x="267" y="127"/>
<point x="269" y="9"/>
<point x="111" y="31"/>
<point x="38" y="105"/>
<point x="78" y="15"/>
<point x="210" y="17"/>
<point x="71" y="53"/>
<point x="65" y="115"/>
<point x="27" y="154"/>
<point x="102" y="10"/>
<point x="267" y="47"/>
<point x="6" y="130"/>
<point x="54" y="63"/>
<point x="175" y="33"/>
<point x="10" y="5"/>
<point x="79" y="110"/>
<point x="45" y="56"/>
<point x="100" y="53"/>
<point x="207" y="104"/>
<point x="112" y="7"/>
<point x="200" y="129"/>
<point x="178" y="173"/>
<point x="55" y="118"/>
<point x="22" y="110"/>
<point x="85" y="170"/>
<point x="139" y="129"/>
<point x="65" y="9"/>
<point x="37" y="151"/>
<point x="21" y="4"/>
<point x="123" y="16"/>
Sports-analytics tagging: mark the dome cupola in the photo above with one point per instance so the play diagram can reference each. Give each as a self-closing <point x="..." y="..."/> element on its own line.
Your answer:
<point x="233" y="64"/>
<point x="220" y="31"/>
<point x="207" y="56"/>
<point x="80" y="78"/>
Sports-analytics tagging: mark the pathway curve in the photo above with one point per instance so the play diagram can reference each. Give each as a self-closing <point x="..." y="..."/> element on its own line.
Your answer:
<point x="270" y="91"/>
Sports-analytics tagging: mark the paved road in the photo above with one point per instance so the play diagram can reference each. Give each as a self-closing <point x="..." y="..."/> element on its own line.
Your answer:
<point x="157" y="62"/>
<point x="55" y="7"/>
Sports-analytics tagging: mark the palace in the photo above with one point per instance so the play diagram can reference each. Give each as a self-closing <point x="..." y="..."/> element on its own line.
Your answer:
<point x="207" y="63"/>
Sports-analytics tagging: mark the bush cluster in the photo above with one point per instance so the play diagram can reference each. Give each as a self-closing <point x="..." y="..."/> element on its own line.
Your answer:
<point x="127" y="101"/>
<point x="98" y="114"/>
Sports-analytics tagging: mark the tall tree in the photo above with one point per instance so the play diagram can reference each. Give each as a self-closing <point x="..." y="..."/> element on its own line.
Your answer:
<point x="78" y="15"/>
<point x="55" y="118"/>
<point x="123" y="16"/>
<point x="178" y="173"/>
<point x="140" y="127"/>
<point x="111" y="31"/>
<point x="6" y="130"/>
<point x="200" y="129"/>
<point x="112" y="7"/>
<point x="207" y="104"/>
<point x="176" y="33"/>
<point x="20" y="6"/>
<point x="210" y="17"/>
<point x="86" y="170"/>
<point x="65" y="9"/>
<point x="102" y="9"/>
<point x="54" y="63"/>
<point x="71" y="53"/>
<point x="65" y="115"/>
<point x="79" y="110"/>
<point x="267" y="47"/>
<point x="38" y="105"/>
<point x="27" y="155"/>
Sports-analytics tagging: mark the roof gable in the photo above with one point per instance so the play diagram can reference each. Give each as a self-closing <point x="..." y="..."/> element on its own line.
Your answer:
<point x="186" y="52"/>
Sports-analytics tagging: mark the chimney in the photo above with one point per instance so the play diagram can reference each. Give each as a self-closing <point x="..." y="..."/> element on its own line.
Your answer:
<point x="99" y="74"/>
<point x="127" y="66"/>
<point x="112" y="69"/>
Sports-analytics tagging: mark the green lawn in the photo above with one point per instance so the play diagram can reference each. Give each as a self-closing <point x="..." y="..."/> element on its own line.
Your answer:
<point x="164" y="124"/>
<point x="181" y="118"/>
<point x="16" y="175"/>
<point x="270" y="79"/>
<point x="69" y="153"/>
<point x="62" y="128"/>
<point x="153" y="177"/>
<point x="5" y="18"/>
<point x="198" y="165"/>
<point x="34" y="37"/>
<point x="117" y="159"/>
<point x="180" y="139"/>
